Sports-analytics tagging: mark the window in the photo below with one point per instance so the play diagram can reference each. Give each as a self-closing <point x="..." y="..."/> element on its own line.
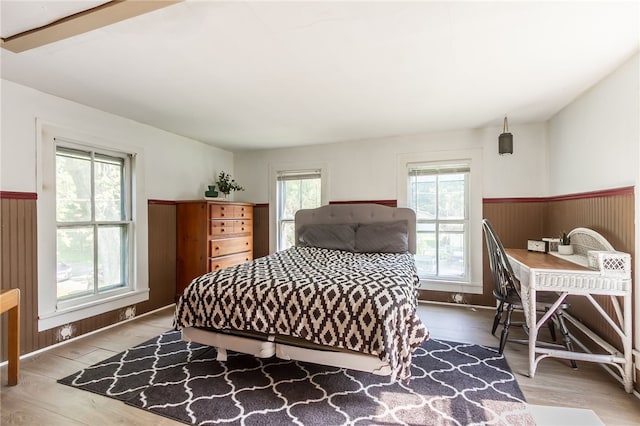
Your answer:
<point x="445" y="189"/>
<point x="92" y="250"/>
<point x="93" y="223"/>
<point x="439" y="194"/>
<point x="295" y="190"/>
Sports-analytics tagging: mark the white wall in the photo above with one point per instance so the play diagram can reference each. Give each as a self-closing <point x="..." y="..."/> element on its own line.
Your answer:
<point x="176" y="167"/>
<point x="594" y="141"/>
<point x="366" y="170"/>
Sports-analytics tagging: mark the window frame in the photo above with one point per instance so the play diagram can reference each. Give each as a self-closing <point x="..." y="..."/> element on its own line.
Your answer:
<point x="277" y="170"/>
<point x="50" y="313"/>
<point x="438" y="169"/>
<point x="94" y="154"/>
<point x="473" y="158"/>
<point x="282" y="178"/>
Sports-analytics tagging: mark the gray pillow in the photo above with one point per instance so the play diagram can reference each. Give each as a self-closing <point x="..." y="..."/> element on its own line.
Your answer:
<point x="330" y="236"/>
<point x="383" y="237"/>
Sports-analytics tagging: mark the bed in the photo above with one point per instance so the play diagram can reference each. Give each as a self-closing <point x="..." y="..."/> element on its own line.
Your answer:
<point x="345" y="295"/>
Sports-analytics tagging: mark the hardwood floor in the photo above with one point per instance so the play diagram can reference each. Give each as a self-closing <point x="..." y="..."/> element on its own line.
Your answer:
<point x="39" y="399"/>
<point x="555" y="384"/>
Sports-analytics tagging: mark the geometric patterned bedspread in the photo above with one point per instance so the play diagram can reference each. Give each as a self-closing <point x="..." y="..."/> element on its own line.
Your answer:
<point x="364" y="302"/>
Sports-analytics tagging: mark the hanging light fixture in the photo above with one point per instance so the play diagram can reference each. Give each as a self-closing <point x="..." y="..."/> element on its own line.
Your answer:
<point x="505" y="140"/>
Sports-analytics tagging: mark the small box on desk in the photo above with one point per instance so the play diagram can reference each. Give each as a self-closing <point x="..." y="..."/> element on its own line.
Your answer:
<point x="537" y="245"/>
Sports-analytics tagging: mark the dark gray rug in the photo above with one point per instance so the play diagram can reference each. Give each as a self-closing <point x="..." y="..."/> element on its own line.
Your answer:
<point x="452" y="384"/>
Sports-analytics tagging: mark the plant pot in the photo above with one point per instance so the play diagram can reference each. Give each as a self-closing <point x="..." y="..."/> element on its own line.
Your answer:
<point x="211" y="192"/>
<point x="565" y="249"/>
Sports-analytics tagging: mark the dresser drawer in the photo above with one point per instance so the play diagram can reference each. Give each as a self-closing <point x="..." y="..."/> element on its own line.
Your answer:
<point x="243" y="212"/>
<point x="221" y="211"/>
<point x="230" y="246"/>
<point x="231" y="260"/>
<point x="220" y="228"/>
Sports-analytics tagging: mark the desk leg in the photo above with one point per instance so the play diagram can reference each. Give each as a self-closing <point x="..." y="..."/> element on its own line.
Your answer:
<point x="627" y="344"/>
<point x="532" y="322"/>
<point x="14" y="344"/>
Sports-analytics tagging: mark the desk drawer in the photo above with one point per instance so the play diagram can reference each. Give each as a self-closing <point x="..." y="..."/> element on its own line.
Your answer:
<point x="230" y="246"/>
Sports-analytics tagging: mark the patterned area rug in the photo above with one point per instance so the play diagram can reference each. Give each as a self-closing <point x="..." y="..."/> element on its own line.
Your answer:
<point x="452" y="384"/>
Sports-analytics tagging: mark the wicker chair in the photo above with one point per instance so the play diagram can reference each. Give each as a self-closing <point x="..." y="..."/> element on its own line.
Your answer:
<point x="507" y="292"/>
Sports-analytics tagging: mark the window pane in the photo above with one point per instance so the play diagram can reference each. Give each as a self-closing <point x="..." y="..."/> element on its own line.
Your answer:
<point x="294" y="192"/>
<point x="426" y="250"/>
<point x="73" y="186"/>
<point x="111" y="257"/>
<point x="451" y="253"/>
<point x="451" y="198"/>
<point x="310" y="193"/>
<point x="287" y="235"/>
<point x="75" y="267"/>
<point x="108" y="188"/>
<point x="423" y="188"/>
<point x="291" y="201"/>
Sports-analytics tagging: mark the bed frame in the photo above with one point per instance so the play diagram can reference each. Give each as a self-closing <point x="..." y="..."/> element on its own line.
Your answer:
<point x="288" y="348"/>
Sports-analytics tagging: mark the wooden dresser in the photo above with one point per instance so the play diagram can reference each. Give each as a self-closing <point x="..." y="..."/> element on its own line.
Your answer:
<point x="211" y="235"/>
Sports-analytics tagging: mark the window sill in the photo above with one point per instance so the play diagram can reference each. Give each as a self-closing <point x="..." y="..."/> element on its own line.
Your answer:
<point x="75" y="313"/>
<point x="451" y="286"/>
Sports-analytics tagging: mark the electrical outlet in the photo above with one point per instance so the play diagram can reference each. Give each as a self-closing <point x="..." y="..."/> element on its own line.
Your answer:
<point x="128" y="313"/>
<point x="457" y="298"/>
<point x="65" y="332"/>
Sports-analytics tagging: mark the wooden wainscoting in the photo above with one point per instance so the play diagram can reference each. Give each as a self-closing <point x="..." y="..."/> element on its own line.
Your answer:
<point x="260" y="230"/>
<point x="162" y="255"/>
<point x="19" y="269"/>
<point x="18" y="266"/>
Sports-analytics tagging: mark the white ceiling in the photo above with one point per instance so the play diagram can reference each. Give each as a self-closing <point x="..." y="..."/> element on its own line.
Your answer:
<point x="250" y="75"/>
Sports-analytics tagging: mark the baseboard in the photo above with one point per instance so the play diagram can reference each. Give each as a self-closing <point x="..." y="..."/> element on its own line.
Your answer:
<point x="82" y="336"/>
<point x="465" y="305"/>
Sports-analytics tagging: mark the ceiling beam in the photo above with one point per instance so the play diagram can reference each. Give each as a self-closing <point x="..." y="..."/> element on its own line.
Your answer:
<point x="82" y="22"/>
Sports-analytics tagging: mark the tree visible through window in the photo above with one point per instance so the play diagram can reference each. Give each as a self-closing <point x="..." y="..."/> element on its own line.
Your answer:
<point x="295" y="190"/>
<point x="93" y="219"/>
<point x="439" y="196"/>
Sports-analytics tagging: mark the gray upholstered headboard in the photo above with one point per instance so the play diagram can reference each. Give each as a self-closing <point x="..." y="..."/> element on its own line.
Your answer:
<point x="357" y="213"/>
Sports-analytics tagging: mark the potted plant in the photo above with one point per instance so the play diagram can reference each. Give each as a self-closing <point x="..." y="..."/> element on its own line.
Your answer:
<point x="564" y="245"/>
<point x="226" y="184"/>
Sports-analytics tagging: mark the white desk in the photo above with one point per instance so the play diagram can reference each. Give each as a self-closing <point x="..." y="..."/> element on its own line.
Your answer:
<point x="546" y="272"/>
